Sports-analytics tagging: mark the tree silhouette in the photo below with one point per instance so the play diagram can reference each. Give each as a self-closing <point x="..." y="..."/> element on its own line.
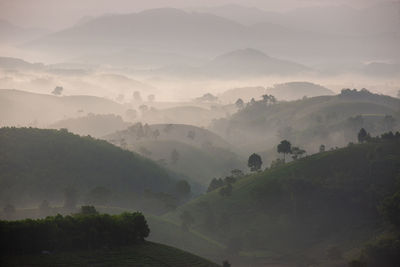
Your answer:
<point x="58" y="90"/>
<point x="284" y="147"/>
<point x="254" y="162"/>
<point x="239" y="103"/>
<point x="297" y="152"/>
<point x="321" y="148"/>
<point x="363" y="136"/>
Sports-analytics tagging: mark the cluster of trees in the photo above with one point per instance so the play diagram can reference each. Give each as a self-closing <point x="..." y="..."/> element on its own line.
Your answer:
<point x="85" y="230"/>
<point x="225" y="184"/>
<point x="285" y="147"/>
<point x="210" y="98"/>
<point x="363" y="136"/>
<point x="143" y="131"/>
<point x="137" y="97"/>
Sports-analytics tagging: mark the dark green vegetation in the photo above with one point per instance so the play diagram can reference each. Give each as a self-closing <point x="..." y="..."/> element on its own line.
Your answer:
<point x="61" y="167"/>
<point x="319" y="209"/>
<point x="85" y="230"/>
<point x="87" y="238"/>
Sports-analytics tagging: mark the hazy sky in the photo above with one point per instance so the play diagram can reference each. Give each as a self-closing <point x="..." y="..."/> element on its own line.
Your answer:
<point x="56" y="14"/>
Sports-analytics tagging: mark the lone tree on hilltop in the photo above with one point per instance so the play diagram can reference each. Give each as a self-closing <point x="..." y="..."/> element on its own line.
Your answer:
<point x="285" y="147"/>
<point x="254" y="162"/>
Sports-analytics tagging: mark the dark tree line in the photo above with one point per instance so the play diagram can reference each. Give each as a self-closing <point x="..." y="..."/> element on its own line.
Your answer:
<point x="80" y="231"/>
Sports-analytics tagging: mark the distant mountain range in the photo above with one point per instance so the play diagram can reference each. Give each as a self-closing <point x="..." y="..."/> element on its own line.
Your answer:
<point x="251" y="62"/>
<point x="303" y="35"/>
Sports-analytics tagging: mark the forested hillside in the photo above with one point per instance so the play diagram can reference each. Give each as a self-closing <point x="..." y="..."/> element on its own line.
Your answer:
<point x="56" y="166"/>
<point x="319" y="209"/>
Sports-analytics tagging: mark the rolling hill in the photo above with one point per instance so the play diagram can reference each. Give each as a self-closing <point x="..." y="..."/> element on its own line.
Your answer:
<point x="244" y="93"/>
<point x="21" y="108"/>
<point x="330" y="120"/>
<point x="200" y="154"/>
<point x="251" y="62"/>
<point x="12" y="34"/>
<point x="39" y="165"/>
<point x="297" y="212"/>
<point x="285" y="91"/>
<point x="297" y="90"/>
<point x="92" y="124"/>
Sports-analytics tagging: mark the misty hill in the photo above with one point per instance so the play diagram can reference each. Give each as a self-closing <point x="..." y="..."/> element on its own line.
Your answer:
<point x="21" y="108"/>
<point x="379" y="69"/>
<point x="40" y="165"/>
<point x="297" y="35"/>
<point x="11" y="63"/>
<point x="285" y="91"/>
<point x="110" y="79"/>
<point x="188" y="134"/>
<point x="10" y="33"/>
<point x="198" y="164"/>
<point x="251" y="62"/>
<point x="173" y="31"/>
<point x="341" y="19"/>
<point x="297" y="90"/>
<point x="296" y="213"/>
<point x="188" y="114"/>
<point x="92" y="124"/>
<point x="199" y="153"/>
<point x="243" y="14"/>
<point x="244" y="93"/>
<point x="330" y="120"/>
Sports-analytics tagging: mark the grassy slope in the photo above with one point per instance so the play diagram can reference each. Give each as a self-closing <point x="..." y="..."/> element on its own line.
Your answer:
<point x="200" y="164"/>
<point x="168" y="232"/>
<point x="148" y="254"/>
<point x="307" y="206"/>
<point x="201" y="158"/>
<point x="39" y="164"/>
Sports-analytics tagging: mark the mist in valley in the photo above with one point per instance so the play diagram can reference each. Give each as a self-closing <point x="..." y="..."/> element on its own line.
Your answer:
<point x="243" y="133"/>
